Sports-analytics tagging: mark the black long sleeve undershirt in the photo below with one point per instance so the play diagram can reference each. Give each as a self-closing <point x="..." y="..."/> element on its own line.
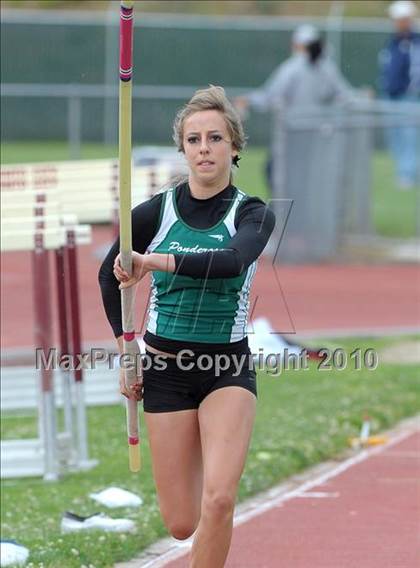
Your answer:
<point x="144" y="220"/>
<point x="254" y="223"/>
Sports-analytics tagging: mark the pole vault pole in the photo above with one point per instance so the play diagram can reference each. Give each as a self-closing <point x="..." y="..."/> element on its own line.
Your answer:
<point x="131" y="347"/>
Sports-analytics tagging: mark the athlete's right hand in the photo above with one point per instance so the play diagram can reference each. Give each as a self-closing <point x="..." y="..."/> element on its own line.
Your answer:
<point x="139" y="270"/>
<point x="135" y="392"/>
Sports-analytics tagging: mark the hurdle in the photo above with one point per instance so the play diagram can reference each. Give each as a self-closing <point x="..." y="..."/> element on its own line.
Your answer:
<point x="42" y="199"/>
<point x="46" y="230"/>
<point x="87" y="188"/>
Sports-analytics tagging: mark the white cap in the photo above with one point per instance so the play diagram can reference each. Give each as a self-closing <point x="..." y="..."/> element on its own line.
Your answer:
<point x="305" y="35"/>
<point x="402" y="9"/>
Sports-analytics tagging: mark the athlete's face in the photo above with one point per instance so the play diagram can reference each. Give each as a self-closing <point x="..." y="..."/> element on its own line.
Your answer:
<point x="208" y="147"/>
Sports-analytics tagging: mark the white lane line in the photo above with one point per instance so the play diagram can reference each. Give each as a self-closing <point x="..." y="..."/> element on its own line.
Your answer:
<point x="321" y="479"/>
<point x="318" y="494"/>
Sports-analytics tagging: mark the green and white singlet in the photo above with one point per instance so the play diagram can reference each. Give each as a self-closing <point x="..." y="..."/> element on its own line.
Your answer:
<point x="213" y="310"/>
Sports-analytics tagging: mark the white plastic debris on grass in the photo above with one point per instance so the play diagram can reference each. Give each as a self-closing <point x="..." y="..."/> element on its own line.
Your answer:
<point x="264" y="456"/>
<point x="12" y="554"/>
<point x="262" y="336"/>
<point x="116" y="497"/>
<point x="97" y="522"/>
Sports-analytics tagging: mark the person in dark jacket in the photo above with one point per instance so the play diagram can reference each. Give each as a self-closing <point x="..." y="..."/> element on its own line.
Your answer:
<point x="400" y="82"/>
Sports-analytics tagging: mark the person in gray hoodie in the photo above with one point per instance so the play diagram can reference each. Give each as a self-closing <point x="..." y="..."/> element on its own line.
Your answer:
<point x="307" y="80"/>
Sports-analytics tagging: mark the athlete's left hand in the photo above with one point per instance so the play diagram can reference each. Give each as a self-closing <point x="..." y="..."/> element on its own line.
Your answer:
<point x="139" y="270"/>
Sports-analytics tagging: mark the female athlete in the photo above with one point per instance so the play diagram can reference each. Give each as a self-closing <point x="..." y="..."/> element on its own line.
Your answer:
<point x="200" y="241"/>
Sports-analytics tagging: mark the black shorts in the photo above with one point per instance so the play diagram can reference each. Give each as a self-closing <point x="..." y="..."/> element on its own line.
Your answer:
<point x="181" y="384"/>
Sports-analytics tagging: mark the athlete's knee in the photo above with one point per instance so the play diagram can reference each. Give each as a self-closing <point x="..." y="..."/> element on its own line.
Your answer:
<point x="181" y="530"/>
<point x="218" y="505"/>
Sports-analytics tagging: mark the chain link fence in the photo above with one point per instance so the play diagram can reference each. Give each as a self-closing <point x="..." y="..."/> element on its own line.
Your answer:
<point x="60" y="68"/>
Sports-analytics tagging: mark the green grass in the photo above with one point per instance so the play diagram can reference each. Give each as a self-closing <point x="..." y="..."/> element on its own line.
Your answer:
<point x="21" y="152"/>
<point x="394" y="212"/>
<point x="304" y="417"/>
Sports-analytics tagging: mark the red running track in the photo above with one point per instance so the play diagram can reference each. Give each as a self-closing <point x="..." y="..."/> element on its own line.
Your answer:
<point x="370" y="520"/>
<point x="297" y="299"/>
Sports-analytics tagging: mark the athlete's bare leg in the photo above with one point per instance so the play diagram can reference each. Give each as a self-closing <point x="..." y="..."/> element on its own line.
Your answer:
<point x="177" y="468"/>
<point x="226" y="417"/>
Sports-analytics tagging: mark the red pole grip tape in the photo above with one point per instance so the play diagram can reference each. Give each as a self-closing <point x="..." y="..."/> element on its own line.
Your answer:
<point x="133" y="441"/>
<point x="129" y="335"/>
<point x="126" y="43"/>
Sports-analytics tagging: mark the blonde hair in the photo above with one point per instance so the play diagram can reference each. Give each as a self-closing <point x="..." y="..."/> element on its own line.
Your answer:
<point x="212" y="98"/>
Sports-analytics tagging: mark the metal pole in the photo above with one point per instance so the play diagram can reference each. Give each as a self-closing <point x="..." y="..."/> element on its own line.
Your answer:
<point x="334" y="28"/>
<point x="74" y="126"/>
<point x="43" y="336"/>
<point x="62" y="310"/>
<point x="73" y="291"/>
